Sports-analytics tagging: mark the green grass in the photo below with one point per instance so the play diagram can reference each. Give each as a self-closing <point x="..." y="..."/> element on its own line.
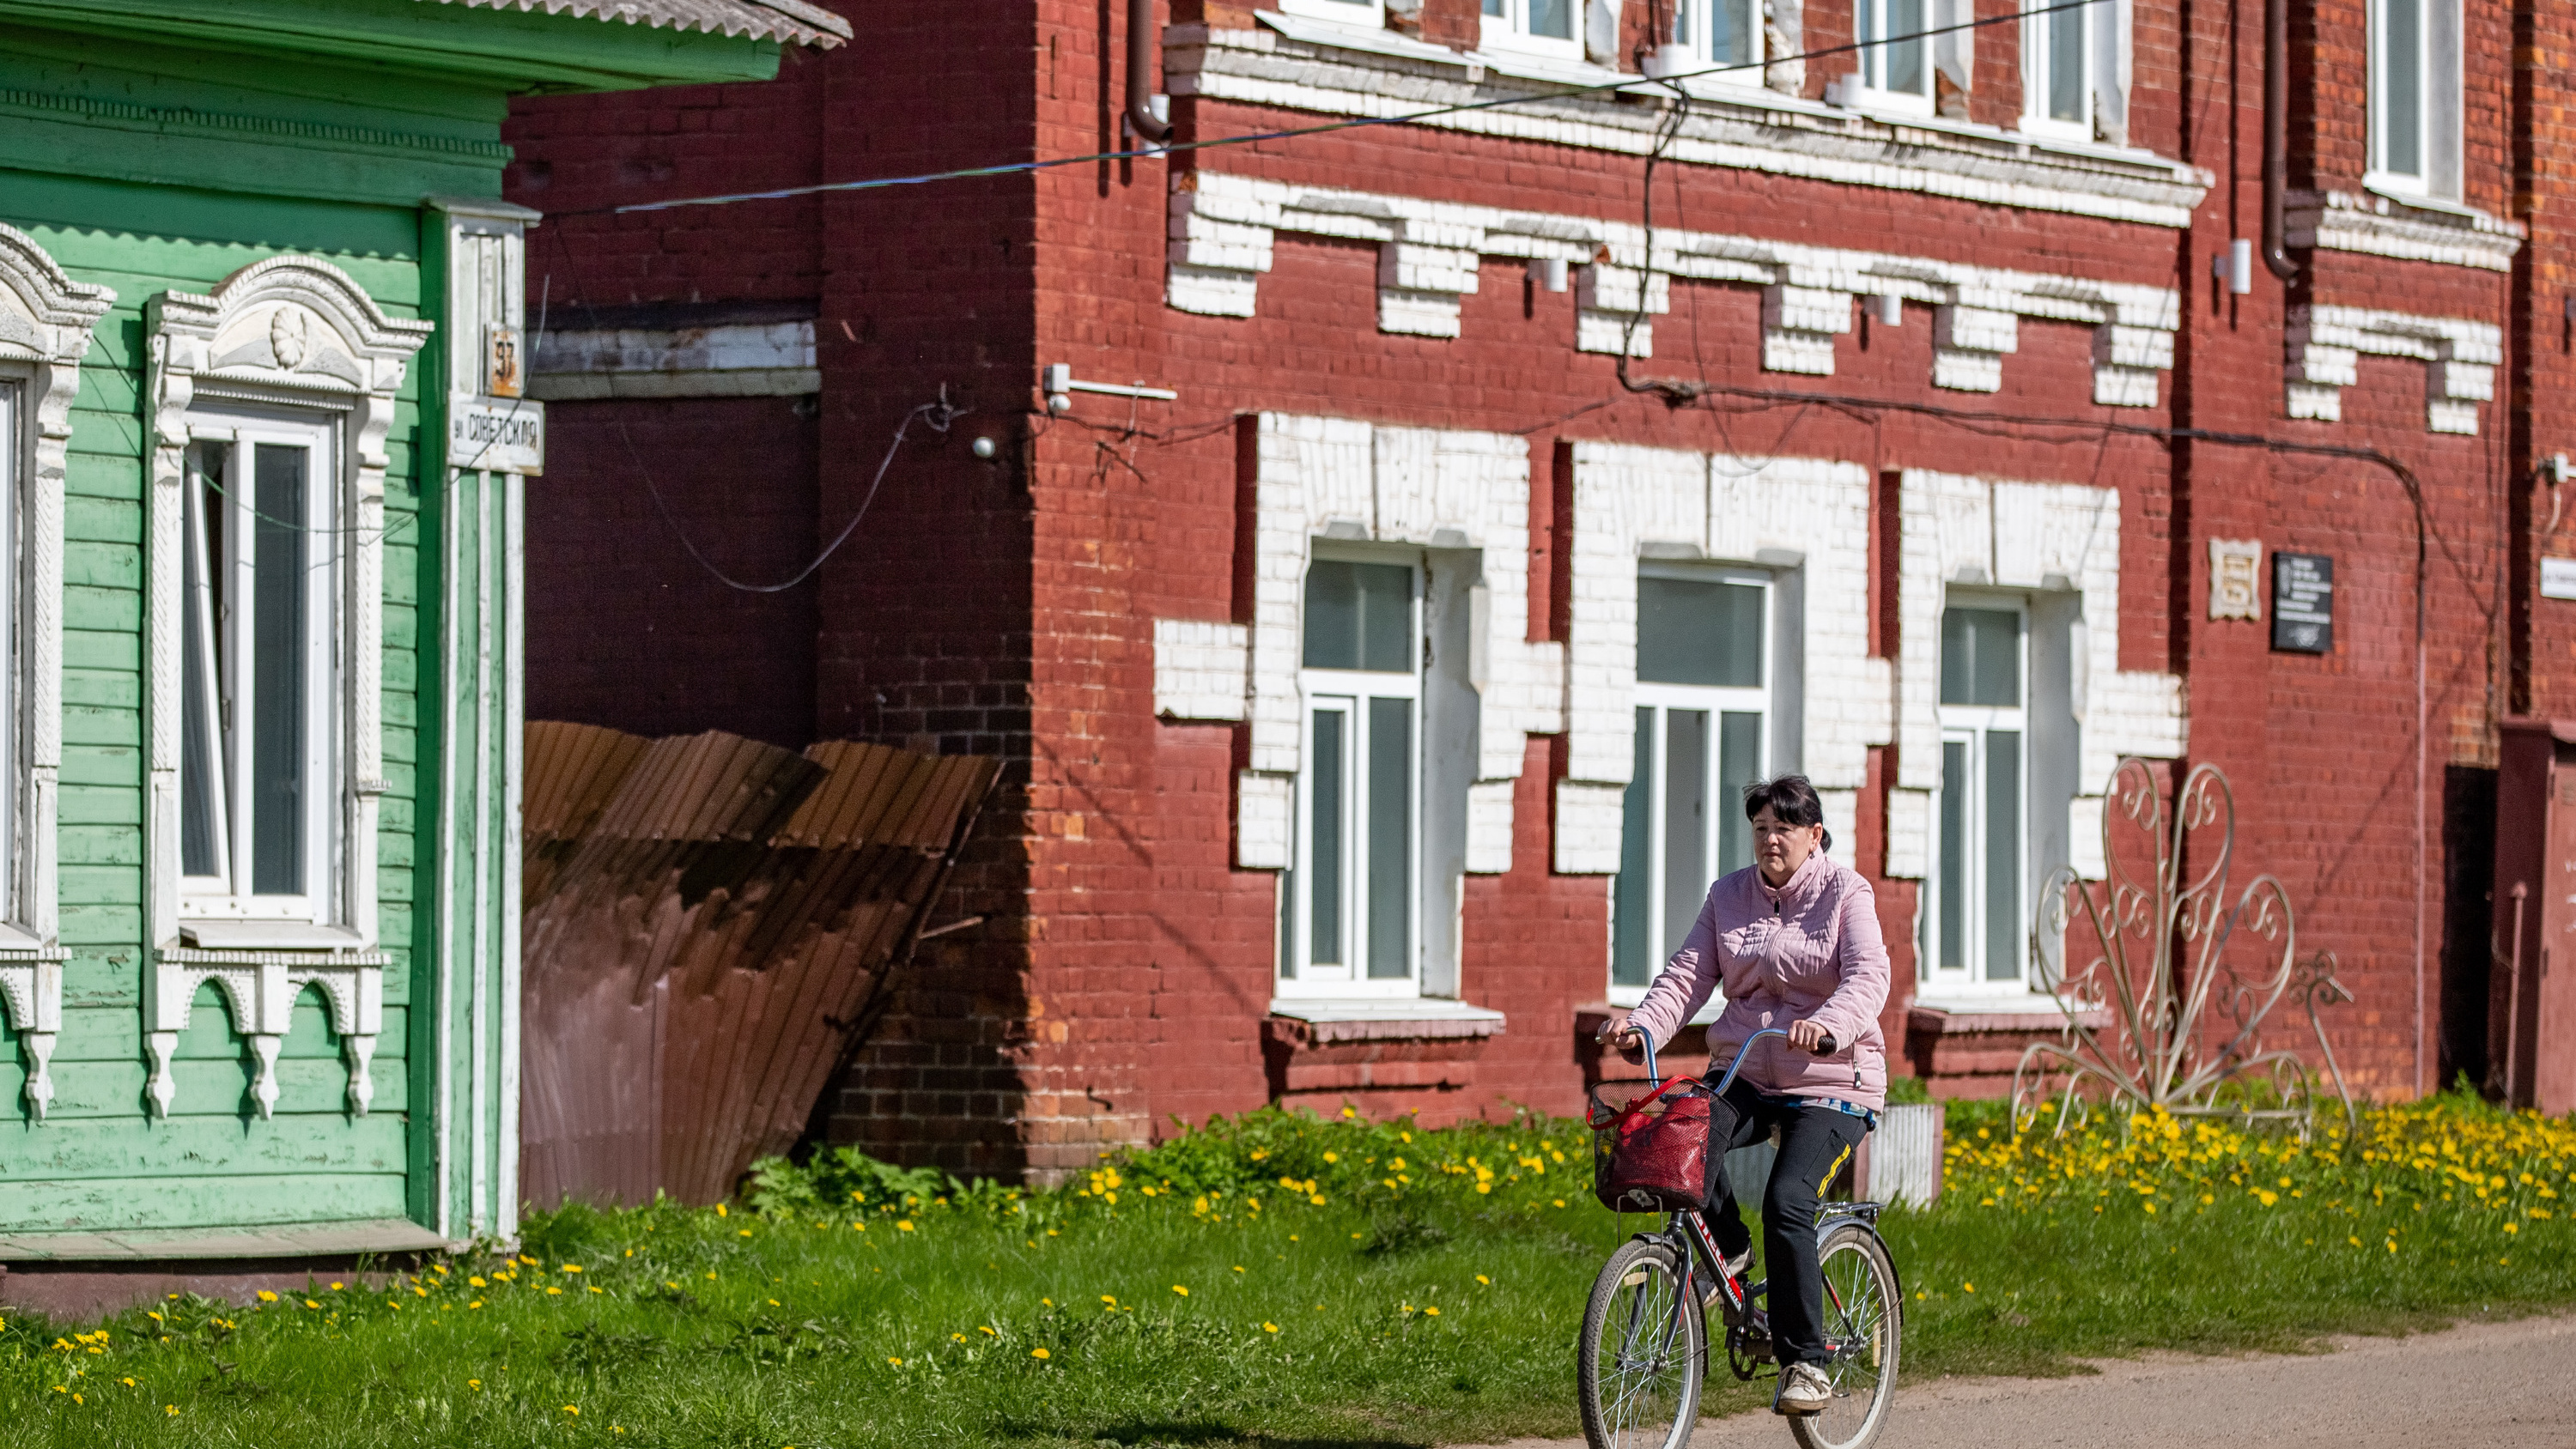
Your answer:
<point x="783" y="1328"/>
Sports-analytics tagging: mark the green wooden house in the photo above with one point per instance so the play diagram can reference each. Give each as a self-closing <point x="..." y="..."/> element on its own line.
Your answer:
<point x="262" y="453"/>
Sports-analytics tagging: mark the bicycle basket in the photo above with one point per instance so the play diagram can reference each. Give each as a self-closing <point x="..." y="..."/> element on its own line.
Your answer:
<point x="1650" y="1145"/>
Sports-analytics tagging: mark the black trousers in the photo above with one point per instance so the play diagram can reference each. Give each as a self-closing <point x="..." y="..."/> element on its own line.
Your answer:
<point x="1815" y="1145"/>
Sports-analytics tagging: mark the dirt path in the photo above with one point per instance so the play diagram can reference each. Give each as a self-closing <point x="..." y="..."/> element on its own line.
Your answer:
<point x="2485" y="1386"/>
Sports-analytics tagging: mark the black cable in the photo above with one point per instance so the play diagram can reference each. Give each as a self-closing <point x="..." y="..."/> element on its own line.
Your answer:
<point x="939" y="415"/>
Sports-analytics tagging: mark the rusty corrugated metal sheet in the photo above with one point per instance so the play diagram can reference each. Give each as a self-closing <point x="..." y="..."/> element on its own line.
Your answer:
<point x="571" y="771"/>
<point x="704" y="945"/>
<point x="789" y="21"/>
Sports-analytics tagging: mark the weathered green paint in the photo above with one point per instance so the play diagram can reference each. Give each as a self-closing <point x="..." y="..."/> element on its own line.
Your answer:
<point x="160" y="146"/>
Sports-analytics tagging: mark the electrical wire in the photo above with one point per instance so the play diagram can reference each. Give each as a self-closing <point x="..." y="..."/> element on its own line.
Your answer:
<point x="938" y="415"/>
<point x="1013" y="168"/>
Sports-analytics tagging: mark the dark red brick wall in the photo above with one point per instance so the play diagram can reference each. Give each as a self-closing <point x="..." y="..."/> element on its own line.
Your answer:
<point x="632" y="633"/>
<point x="1125" y="974"/>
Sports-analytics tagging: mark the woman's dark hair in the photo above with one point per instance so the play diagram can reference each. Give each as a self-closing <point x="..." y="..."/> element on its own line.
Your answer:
<point x="1791" y="801"/>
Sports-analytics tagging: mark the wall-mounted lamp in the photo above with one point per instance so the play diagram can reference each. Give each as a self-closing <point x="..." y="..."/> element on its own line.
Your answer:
<point x="1887" y="309"/>
<point x="2234" y="267"/>
<point x="1548" y="274"/>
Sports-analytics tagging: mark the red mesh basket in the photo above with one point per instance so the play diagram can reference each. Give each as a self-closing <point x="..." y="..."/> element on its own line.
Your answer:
<point x="1650" y="1145"/>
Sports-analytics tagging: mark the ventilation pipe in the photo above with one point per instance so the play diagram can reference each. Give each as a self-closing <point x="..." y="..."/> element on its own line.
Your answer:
<point x="1148" y="115"/>
<point x="2276" y="138"/>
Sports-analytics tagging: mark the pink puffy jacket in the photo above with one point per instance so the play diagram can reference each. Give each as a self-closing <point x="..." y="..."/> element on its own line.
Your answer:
<point x="1807" y="951"/>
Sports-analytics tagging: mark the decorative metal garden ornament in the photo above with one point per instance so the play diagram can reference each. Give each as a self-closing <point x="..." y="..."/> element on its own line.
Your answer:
<point x="2169" y="1011"/>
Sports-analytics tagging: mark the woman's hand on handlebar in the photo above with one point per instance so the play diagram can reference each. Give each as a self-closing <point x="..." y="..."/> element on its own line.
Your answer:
<point x="1624" y="1039"/>
<point x="1810" y="1036"/>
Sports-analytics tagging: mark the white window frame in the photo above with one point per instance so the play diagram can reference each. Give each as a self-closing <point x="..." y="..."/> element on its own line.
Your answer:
<point x="1348" y="692"/>
<point x="230" y="635"/>
<point x="1694" y="27"/>
<point x="1509" y="31"/>
<point x="1867" y="88"/>
<point x="2039" y="68"/>
<point x="2436" y="63"/>
<point x="1717" y="701"/>
<point x="1969" y="726"/>
<point x="1359" y="14"/>
<point x="293" y="338"/>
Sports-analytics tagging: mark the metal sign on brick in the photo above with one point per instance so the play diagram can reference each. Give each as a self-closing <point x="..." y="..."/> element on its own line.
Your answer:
<point x="496" y="435"/>
<point x="2303" y="603"/>
<point x="2558" y="578"/>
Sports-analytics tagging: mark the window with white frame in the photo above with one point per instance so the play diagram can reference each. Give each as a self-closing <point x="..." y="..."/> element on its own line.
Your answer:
<point x="2057" y="66"/>
<point x="1896" y="56"/>
<point x="1722" y="33"/>
<point x="2414" y="96"/>
<point x="1368" y="13"/>
<point x="1351" y="902"/>
<point x="1544" y="27"/>
<point x="1976" y="921"/>
<point x="259" y="717"/>
<point x="1703" y="710"/>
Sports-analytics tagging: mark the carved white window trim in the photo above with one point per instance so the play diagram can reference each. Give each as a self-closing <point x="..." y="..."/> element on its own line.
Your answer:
<point x="298" y="333"/>
<point x="45" y="325"/>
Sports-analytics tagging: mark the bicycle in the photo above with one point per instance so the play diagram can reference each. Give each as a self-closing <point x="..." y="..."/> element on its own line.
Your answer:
<point x="1644" y="1347"/>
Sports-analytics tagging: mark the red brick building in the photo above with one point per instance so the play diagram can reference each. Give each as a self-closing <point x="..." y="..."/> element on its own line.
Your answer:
<point x="1373" y="700"/>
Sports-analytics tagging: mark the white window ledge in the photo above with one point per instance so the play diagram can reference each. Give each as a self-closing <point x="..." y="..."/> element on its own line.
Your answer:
<point x="1410" y="1018"/>
<point x="2018" y="1012"/>
<point x="1810" y="138"/>
<point x="214" y="935"/>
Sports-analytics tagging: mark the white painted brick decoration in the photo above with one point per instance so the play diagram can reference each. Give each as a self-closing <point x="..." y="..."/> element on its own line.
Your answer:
<point x="2038" y="536"/>
<point x="2324" y="346"/>
<point x="1318" y="476"/>
<point x="1430" y="251"/>
<point x="1761" y="512"/>
<point x="1199" y="669"/>
<point x="1334" y="70"/>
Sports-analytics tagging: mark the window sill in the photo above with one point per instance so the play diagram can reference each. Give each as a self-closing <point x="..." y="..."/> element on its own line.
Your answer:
<point x="1339" y="69"/>
<point x="2024" y="1012"/>
<point x="1405" y="1019"/>
<point x="214" y="935"/>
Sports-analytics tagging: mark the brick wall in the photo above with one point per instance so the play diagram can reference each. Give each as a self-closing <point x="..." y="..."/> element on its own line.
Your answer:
<point x="1011" y="605"/>
<point x="633" y="633"/>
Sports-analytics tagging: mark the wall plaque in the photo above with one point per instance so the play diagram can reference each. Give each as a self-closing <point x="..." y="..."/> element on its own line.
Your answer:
<point x="2558" y="578"/>
<point x="2303" y="603"/>
<point x="2236" y="578"/>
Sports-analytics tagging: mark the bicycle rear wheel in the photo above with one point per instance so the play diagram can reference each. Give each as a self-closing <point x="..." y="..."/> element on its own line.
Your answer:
<point x="1644" y="1351"/>
<point x="1864" y="1322"/>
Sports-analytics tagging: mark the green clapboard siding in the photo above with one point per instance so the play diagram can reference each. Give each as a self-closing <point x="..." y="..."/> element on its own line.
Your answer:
<point x="164" y="145"/>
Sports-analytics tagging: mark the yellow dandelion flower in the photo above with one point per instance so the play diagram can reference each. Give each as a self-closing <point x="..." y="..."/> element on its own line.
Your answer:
<point x="1038" y="1353"/>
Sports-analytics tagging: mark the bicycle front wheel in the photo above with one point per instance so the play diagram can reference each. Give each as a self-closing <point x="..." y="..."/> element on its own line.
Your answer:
<point x="1864" y="1324"/>
<point x="1644" y="1351"/>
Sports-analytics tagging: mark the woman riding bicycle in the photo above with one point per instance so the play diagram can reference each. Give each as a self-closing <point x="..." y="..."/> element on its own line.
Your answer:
<point x="1794" y="941"/>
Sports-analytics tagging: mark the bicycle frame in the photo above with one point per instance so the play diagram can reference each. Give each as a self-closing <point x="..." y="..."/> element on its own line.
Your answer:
<point x="1699" y="1244"/>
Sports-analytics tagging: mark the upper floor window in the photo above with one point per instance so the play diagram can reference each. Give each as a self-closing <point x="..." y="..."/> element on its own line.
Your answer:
<point x="2414" y="96"/>
<point x="259" y="685"/>
<point x="1548" y="27"/>
<point x="1976" y="922"/>
<point x="2057" y="50"/>
<point x="1722" y="33"/>
<point x="1896" y="56"/>
<point x="1351" y="899"/>
<point x="1703" y="710"/>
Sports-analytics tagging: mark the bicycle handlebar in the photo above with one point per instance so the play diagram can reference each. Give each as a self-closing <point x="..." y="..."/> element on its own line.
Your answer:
<point x="1823" y="1048"/>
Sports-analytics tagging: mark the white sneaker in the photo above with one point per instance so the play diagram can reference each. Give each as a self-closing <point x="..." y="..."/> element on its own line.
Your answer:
<point x="1804" y="1389"/>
